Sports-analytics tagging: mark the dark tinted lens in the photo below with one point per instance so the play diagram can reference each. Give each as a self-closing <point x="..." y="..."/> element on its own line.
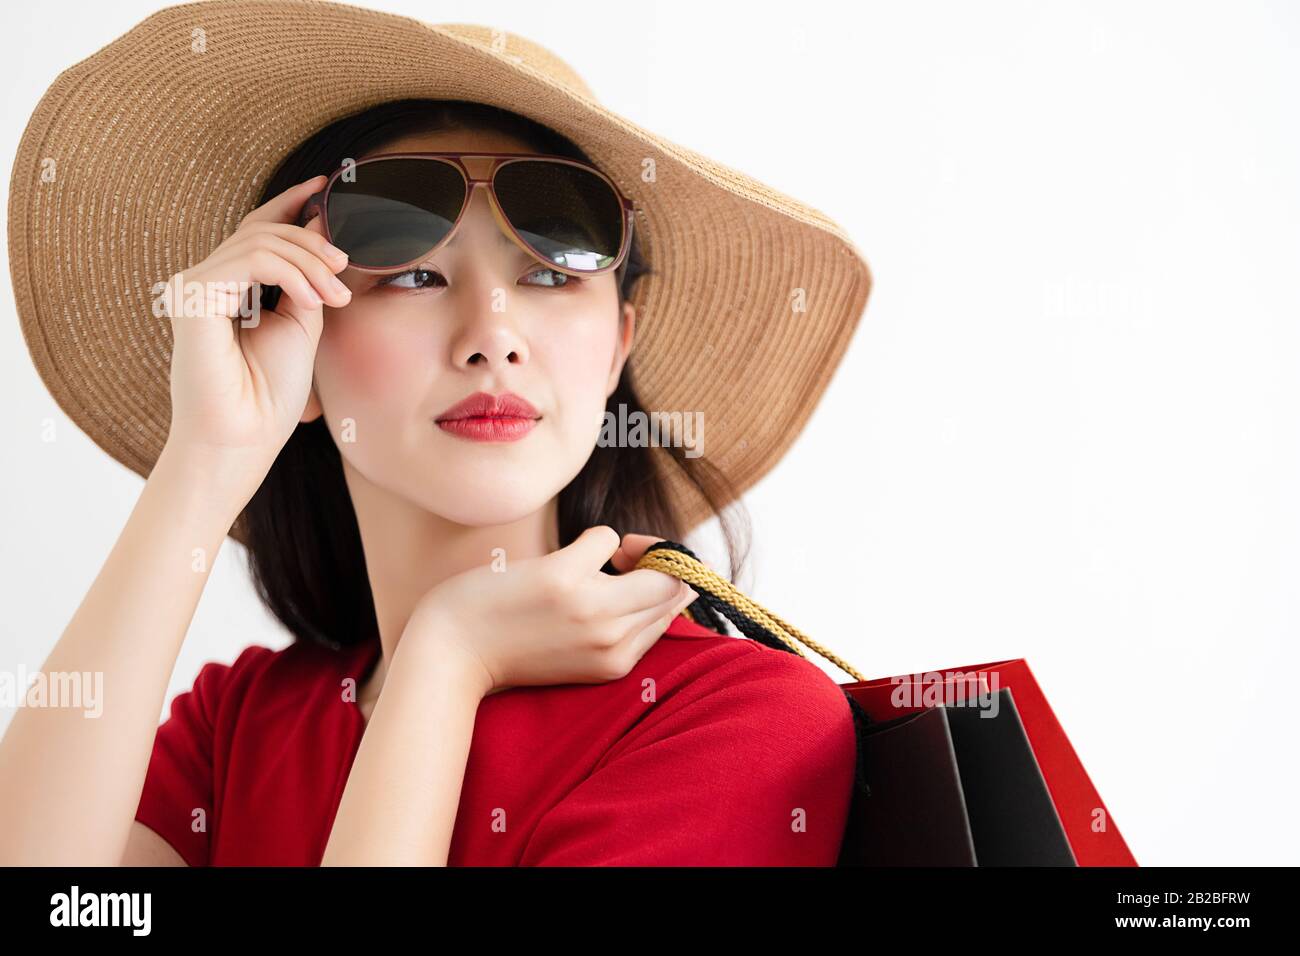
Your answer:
<point x="395" y="211"/>
<point x="569" y="215"/>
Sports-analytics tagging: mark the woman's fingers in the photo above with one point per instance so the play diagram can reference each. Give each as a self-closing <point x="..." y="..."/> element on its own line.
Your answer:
<point x="286" y="206"/>
<point x="635" y="592"/>
<point x="329" y="288"/>
<point x="269" y="268"/>
<point x="633" y="624"/>
<point x="630" y="551"/>
<point x="588" y="552"/>
<point x="638" y="604"/>
<point x="644" y="629"/>
<point x="237" y="269"/>
<point x="270" y="258"/>
<point x="311" y="238"/>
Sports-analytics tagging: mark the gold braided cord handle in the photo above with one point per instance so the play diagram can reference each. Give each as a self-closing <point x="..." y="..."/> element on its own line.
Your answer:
<point x="703" y="578"/>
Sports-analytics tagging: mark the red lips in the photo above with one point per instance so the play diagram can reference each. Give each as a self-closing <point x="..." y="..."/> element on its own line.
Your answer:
<point x="486" y="405"/>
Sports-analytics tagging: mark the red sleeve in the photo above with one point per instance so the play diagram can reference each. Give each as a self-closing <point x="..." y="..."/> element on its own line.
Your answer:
<point x="750" y="764"/>
<point x="179" y="779"/>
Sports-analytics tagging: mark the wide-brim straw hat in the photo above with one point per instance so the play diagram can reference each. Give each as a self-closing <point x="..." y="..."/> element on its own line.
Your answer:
<point x="142" y="158"/>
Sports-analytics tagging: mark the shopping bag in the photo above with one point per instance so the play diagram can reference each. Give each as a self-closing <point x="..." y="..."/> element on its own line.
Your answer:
<point x="956" y="786"/>
<point x="1022" y="788"/>
<point x="966" y="767"/>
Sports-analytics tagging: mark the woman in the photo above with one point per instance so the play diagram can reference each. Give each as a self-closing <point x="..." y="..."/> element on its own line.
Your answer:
<point x="480" y="676"/>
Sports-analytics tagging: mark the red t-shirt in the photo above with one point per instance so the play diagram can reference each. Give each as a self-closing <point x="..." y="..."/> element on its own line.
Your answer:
<point x="714" y="750"/>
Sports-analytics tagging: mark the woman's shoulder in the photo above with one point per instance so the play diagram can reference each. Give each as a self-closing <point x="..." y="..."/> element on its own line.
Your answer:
<point x="301" y="660"/>
<point x="259" y="672"/>
<point x="742" y="670"/>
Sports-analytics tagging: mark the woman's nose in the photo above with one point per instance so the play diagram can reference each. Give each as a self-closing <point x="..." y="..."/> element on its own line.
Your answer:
<point x="489" y="344"/>
<point x="488" y="332"/>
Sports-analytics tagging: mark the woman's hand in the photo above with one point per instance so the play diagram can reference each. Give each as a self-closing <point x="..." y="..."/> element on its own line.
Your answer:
<point x="631" y="550"/>
<point x="239" y="385"/>
<point x="555" y="619"/>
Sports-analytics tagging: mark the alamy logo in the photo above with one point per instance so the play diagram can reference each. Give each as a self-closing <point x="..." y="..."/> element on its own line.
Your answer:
<point x="639" y="429"/>
<point x="74" y="689"/>
<point x="102" y="909"/>
<point x="977" y="689"/>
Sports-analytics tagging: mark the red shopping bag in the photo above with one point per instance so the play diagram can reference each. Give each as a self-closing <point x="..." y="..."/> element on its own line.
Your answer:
<point x="938" y="797"/>
<point x="962" y="767"/>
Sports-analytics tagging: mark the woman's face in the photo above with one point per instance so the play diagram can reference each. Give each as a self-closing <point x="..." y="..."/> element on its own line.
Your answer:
<point x="479" y="314"/>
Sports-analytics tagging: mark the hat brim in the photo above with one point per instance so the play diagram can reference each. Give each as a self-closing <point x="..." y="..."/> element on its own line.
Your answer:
<point x="141" y="159"/>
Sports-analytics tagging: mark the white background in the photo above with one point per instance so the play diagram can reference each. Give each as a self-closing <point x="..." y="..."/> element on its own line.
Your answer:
<point x="1067" y="427"/>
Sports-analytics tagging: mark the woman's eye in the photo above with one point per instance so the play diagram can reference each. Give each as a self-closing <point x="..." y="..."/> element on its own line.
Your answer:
<point x="428" y="278"/>
<point x="557" y="278"/>
<point x="420" y="279"/>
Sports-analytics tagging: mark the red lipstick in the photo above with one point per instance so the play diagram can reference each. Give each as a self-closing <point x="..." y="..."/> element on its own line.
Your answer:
<point x="486" y="417"/>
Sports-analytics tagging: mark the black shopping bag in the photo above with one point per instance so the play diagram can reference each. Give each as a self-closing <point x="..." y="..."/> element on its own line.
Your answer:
<point x="955" y="786"/>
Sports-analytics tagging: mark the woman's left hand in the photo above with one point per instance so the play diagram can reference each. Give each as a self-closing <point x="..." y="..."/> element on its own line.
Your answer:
<point x="553" y="619"/>
<point x="630" y="550"/>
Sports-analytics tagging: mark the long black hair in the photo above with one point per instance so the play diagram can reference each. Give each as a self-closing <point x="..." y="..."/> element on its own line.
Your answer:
<point x="304" y="546"/>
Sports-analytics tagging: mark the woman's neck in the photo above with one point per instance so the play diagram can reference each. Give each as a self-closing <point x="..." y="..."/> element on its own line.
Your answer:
<point x="409" y="551"/>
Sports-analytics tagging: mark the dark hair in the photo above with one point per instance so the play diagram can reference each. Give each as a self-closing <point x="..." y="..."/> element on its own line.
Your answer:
<point x="304" y="545"/>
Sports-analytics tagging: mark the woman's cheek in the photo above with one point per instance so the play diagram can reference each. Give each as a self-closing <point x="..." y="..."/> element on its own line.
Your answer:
<point x="579" y="372"/>
<point x="583" y="357"/>
<point x="368" y="361"/>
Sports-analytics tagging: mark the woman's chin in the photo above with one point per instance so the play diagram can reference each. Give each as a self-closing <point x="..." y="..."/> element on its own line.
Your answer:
<point x="479" y="493"/>
<point x="485" y="509"/>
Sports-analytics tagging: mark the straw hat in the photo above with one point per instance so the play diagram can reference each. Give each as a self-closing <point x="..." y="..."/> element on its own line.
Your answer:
<point x="142" y="158"/>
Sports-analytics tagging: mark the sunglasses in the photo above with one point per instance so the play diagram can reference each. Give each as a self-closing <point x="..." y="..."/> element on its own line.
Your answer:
<point x="390" y="211"/>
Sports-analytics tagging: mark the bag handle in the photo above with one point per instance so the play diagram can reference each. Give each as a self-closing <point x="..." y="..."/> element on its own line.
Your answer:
<point x="719" y="598"/>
